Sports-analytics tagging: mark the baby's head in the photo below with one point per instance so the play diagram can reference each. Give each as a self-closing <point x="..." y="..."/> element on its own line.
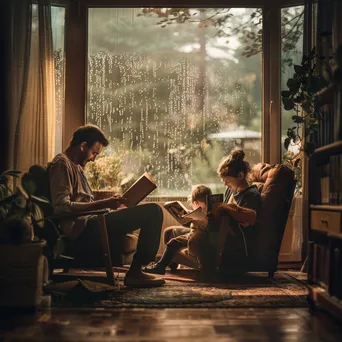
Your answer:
<point x="198" y="196"/>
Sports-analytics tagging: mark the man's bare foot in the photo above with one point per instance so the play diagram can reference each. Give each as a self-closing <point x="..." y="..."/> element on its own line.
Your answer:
<point x="141" y="279"/>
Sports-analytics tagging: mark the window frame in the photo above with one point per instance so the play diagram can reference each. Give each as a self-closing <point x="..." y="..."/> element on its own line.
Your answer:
<point x="76" y="27"/>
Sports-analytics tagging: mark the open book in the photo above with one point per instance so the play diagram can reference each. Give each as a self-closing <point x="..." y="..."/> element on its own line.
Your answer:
<point x="183" y="215"/>
<point x="139" y="190"/>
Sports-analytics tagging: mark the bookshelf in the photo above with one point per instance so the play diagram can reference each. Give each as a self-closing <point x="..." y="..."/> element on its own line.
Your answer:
<point x="325" y="229"/>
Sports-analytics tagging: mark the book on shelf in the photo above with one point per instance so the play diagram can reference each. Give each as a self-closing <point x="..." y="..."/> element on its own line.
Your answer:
<point x="330" y="178"/>
<point x="139" y="190"/>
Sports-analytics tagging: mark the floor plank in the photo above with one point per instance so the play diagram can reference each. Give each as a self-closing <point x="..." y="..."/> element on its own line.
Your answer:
<point x="223" y="325"/>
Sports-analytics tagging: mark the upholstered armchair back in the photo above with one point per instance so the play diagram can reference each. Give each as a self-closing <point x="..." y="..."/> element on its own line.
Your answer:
<point x="276" y="184"/>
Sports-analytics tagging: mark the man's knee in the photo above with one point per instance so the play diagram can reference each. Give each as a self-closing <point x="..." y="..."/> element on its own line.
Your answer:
<point x="154" y="210"/>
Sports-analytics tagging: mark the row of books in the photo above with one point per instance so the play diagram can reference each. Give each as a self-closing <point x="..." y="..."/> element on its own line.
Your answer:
<point x="326" y="132"/>
<point x="331" y="181"/>
<point x="329" y="129"/>
<point x="327" y="267"/>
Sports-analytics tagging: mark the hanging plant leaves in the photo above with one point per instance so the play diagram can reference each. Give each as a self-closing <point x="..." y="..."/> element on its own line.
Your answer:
<point x="298" y="69"/>
<point x="297" y="119"/>
<point x="285" y="93"/>
<point x="293" y="85"/>
<point x="314" y="127"/>
<point x="287" y="143"/>
<point x="288" y="103"/>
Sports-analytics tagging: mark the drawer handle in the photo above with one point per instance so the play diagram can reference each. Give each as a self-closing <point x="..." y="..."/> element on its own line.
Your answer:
<point x="324" y="221"/>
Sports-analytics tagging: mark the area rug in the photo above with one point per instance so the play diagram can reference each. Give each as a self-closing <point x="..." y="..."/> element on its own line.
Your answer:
<point x="187" y="288"/>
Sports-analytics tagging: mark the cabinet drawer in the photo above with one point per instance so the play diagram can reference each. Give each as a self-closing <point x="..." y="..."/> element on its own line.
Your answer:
<point x="327" y="221"/>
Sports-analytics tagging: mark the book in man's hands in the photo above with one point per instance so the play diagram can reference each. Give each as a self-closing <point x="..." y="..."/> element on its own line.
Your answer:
<point x="183" y="215"/>
<point x="139" y="190"/>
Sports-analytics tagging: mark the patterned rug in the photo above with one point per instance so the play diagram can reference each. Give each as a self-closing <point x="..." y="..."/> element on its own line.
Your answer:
<point x="187" y="288"/>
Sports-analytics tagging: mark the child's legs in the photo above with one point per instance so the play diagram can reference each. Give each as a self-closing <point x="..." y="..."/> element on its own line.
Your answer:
<point x="179" y="242"/>
<point x="199" y="248"/>
<point x="172" y="247"/>
<point x="174" y="231"/>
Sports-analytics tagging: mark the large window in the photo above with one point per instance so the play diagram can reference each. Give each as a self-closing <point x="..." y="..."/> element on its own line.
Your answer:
<point x="174" y="92"/>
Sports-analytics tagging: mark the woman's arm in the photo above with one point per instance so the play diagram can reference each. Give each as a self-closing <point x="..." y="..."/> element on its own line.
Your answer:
<point x="244" y="215"/>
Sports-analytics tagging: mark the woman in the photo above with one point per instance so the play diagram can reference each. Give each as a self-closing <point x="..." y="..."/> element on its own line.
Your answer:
<point x="238" y="215"/>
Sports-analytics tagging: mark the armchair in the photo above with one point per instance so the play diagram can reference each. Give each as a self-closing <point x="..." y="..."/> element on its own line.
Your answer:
<point x="276" y="184"/>
<point x="39" y="176"/>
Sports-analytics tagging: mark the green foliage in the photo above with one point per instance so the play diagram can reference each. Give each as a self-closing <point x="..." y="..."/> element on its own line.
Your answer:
<point x="249" y="32"/>
<point x="104" y="173"/>
<point x="300" y="97"/>
<point x="20" y="204"/>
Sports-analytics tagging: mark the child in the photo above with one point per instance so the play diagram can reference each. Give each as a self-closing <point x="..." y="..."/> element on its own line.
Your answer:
<point x="192" y="237"/>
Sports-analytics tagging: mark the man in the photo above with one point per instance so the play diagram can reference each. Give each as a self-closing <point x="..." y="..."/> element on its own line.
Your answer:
<point x="70" y="192"/>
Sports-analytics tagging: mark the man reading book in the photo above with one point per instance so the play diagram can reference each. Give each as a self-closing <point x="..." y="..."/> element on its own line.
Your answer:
<point x="70" y="192"/>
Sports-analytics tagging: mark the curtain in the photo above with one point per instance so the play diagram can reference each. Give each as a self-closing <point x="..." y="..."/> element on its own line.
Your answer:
<point x="35" y="123"/>
<point x="19" y="37"/>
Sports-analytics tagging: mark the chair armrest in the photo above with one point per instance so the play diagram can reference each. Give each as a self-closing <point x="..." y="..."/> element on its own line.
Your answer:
<point x="78" y="214"/>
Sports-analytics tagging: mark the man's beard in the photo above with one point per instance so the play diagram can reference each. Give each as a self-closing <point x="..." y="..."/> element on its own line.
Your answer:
<point x="84" y="159"/>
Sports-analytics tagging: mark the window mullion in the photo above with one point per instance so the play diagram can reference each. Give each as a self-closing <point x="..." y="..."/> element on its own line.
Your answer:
<point x="75" y="68"/>
<point x="274" y="83"/>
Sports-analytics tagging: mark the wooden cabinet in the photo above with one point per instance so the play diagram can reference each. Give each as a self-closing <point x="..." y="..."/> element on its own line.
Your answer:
<point x="325" y="229"/>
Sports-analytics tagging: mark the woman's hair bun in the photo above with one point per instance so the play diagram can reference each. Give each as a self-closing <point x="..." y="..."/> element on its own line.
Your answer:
<point x="238" y="154"/>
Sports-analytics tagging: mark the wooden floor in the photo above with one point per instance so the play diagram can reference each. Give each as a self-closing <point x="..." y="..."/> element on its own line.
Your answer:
<point x="163" y="325"/>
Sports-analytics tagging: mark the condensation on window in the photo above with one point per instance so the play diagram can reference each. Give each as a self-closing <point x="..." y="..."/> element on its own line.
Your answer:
<point x="174" y="92"/>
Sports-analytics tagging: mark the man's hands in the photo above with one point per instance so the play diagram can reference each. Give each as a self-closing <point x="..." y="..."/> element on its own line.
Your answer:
<point x="116" y="202"/>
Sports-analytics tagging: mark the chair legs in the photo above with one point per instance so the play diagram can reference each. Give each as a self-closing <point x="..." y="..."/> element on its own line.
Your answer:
<point x="106" y="250"/>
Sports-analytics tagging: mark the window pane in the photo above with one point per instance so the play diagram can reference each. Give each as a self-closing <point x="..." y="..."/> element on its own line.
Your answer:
<point x="58" y="24"/>
<point x="174" y="92"/>
<point x="291" y="54"/>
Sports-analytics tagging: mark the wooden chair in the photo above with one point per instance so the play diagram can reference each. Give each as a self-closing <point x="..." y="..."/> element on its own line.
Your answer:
<point x="276" y="184"/>
<point x="39" y="175"/>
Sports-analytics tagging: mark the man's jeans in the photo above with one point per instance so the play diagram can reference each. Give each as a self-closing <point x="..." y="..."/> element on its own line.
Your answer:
<point x="147" y="217"/>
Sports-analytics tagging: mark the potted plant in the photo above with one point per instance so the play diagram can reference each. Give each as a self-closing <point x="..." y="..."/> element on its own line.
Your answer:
<point x="21" y="259"/>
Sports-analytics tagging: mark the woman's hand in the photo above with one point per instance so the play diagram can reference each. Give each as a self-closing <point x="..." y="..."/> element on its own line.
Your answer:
<point x="116" y="201"/>
<point x="223" y="209"/>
